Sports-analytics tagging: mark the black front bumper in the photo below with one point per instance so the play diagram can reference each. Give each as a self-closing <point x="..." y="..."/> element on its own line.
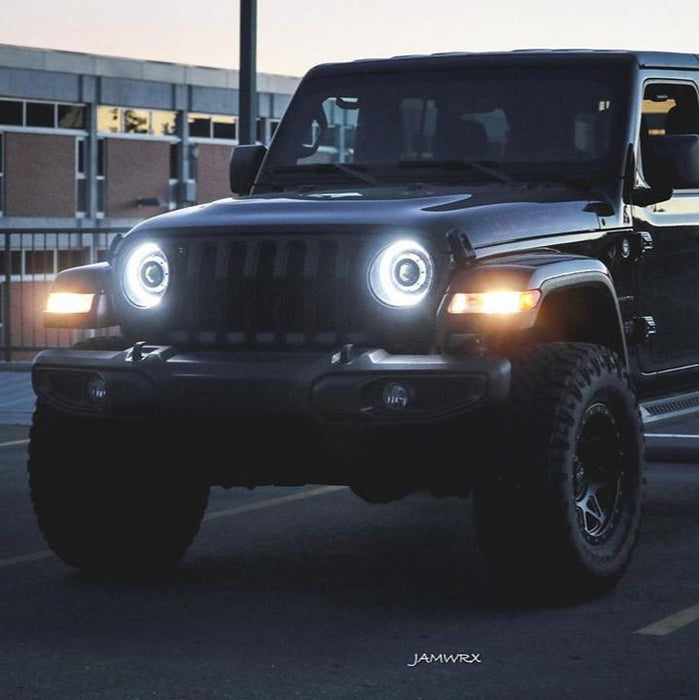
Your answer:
<point x="366" y="386"/>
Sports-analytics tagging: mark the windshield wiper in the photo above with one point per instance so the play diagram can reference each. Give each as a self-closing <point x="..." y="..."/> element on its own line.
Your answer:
<point x="472" y="165"/>
<point x="352" y="169"/>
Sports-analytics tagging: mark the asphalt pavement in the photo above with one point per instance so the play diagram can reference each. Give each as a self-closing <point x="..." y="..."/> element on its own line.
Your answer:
<point x="16" y="396"/>
<point x="311" y="593"/>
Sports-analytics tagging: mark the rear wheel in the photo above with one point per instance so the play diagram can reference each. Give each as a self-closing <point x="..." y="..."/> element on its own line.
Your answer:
<point x="109" y="496"/>
<point x="558" y="501"/>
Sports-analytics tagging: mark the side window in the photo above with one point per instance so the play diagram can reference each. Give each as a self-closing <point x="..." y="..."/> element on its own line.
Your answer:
<point x="668" y="109"/>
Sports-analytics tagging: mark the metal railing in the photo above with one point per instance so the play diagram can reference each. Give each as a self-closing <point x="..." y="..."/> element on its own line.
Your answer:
<point x="29" y="261"/>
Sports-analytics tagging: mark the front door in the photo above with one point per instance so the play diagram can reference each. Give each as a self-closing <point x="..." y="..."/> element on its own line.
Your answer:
<point x="669" y="272"/>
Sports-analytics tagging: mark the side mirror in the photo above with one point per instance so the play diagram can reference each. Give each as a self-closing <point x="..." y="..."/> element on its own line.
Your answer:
<point x="676" y="160"/>
<point x="645" y="196"/>
<point x="243" y="167"/>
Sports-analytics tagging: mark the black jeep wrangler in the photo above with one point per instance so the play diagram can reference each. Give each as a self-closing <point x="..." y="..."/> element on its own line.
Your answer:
<point x="453" y="273"/>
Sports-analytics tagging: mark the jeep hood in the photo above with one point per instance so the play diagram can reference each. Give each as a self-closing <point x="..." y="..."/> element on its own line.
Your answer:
<point x="489" y="216"/>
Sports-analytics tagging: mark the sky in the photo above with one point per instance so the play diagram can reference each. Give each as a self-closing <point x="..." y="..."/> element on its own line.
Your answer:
<point x="294" y="35"/>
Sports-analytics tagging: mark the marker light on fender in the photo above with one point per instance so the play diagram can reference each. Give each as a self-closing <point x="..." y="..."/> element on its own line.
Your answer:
<point x="69" y="303"/>
<point x="500" y="302"/>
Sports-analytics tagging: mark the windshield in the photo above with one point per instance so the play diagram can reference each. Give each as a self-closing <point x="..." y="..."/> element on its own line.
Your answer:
<point x="474" y="124"/>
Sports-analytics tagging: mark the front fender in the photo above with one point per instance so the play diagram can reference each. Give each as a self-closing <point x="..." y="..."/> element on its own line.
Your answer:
<point x="94" y="279"/>
<point x="547" y="271"/>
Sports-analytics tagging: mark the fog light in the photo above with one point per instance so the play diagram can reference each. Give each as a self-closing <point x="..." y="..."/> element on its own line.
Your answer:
<point x="97" y="390"/>
<point x="396" y="396"/>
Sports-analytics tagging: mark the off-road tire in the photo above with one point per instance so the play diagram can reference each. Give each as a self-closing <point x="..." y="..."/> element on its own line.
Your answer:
<point x="109" y="496"/>
<point x="530" y="506"/>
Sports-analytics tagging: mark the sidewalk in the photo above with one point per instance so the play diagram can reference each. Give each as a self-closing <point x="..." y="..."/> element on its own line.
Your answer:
<point x="16" y="397"/>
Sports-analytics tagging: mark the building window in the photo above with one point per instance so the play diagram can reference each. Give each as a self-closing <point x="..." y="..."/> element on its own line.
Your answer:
<point x="261" y="133"/>
<point x="15" y="263"/>
<point x="108" y="120"/>
<point x="126" y="120"/>
<point x="163" y="123"/>
<point x="101" y="157"/>
<point x="40" y="114"/>
<point x="11" y="113"/>
<point x="39" y="262"/>
<point x="213" y="126"/>
<point x="66" y="259"/>
<point x="136" y="121"/>
<point x="224" y="128"/>
<point x="80" y="179"/>
<point x="70" y="117"/>
<point x="30" y="264"/>
<point x="43" y="115"/>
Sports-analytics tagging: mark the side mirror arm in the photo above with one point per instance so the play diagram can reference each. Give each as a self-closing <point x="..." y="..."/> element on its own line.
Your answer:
<point x="641" y="196"/>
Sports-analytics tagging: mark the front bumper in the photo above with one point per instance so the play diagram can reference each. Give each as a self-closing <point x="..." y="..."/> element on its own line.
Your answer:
<point x="366" y="386"/>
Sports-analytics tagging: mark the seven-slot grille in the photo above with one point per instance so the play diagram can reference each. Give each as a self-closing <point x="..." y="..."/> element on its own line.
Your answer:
<point x="277" y="291"/>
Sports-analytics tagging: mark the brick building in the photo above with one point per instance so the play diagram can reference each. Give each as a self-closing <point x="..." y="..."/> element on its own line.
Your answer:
<point x="90" y="141"/>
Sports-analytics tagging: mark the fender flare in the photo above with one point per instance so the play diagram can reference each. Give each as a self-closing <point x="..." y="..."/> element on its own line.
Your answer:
<point x="548" y="271"/>
<point x="94" y="279"/>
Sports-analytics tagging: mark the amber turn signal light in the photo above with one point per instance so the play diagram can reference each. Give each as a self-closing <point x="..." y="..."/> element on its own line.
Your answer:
<point x="69" y="303"/>
<point x="503" y="302"/>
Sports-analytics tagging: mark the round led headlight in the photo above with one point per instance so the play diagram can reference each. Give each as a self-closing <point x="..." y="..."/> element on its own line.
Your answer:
<point x="146" y="275"/>
<point x="401" y="274"/>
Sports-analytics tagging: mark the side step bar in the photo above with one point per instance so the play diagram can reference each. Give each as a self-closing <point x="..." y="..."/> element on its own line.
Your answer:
<point x="670" y="447"/>
<point x="670" y="407"/>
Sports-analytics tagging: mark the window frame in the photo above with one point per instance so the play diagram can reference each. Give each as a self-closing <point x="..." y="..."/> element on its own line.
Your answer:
<point x="692" y="82"/>
<point x="122" y="134"/>
<point x="24" y="127"/>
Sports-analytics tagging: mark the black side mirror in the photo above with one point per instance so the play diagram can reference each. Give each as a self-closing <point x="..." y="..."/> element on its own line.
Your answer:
<point x="677" y="158"/>
<point x="243" y="168"/>
<point x="645" y="196"/>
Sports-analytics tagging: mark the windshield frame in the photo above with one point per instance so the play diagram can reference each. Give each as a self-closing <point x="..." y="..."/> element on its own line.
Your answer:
<point x="391" y="175"/>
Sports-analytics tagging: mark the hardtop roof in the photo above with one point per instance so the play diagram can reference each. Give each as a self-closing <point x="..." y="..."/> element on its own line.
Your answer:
<point x="643" y="59"/>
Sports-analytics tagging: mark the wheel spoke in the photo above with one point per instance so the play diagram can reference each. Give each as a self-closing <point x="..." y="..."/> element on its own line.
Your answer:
<point x="592" y="513"/>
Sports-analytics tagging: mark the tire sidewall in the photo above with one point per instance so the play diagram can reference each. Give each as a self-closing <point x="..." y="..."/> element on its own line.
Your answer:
<point x="611" y="390"/>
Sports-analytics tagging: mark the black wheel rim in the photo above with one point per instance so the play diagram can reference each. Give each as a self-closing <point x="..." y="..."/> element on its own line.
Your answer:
<point x="598" y="471"/>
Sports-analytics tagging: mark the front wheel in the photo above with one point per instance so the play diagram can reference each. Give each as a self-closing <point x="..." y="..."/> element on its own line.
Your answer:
<point x="559" y="497"/>
<point x="109" y="495"/>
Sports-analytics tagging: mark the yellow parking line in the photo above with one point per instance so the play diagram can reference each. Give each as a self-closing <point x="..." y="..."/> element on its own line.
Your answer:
<point x="268" y="503"/>
<point x="672" y="623"/>
<point x="14" y="443"/>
